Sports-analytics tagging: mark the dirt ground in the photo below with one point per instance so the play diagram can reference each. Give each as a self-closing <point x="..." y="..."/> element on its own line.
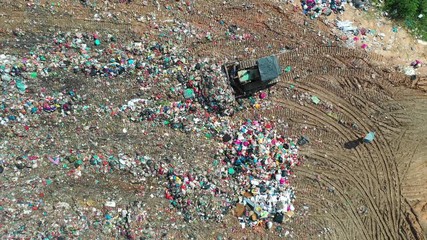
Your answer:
<point x="344" y="190"/>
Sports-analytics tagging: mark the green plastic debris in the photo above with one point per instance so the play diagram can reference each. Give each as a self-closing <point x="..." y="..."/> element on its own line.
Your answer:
<point x="21" y="85"/>
<point x="78" y="163"/>
<point x="252" y="100"/>
<point x="303" y="140"/>
<point x="264" y="214"/>
<point x="231" y="171"/>
<point x="33" y="75"/>
<point x="49" y="181"/>
<point x="394" y="29"/>
<point x="97" y="42"/>
<point x="189" y="93"/>
<point x="315" y="100"/>
<point x="288" y="69"/>
<point x="95" y="160"/>
<point x="72" y="159"/>
<point x="6" y="77"/>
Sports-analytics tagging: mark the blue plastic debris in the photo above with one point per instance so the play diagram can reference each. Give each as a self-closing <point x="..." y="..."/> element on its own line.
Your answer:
<point x="369" y="137"/>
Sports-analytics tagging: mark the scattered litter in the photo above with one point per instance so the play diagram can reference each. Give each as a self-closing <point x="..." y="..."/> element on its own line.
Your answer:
<point x="315" y="99"/>
<point x="409" y="71"/>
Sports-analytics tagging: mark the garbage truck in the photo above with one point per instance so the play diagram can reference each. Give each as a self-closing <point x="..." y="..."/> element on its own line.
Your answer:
<point x="249" y="76"/>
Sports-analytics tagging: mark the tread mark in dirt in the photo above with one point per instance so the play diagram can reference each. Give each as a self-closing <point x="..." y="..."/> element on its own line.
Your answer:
<point x="382" y="153"/>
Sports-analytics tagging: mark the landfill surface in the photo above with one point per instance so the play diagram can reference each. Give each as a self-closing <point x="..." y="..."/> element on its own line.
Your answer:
<point x="118" y="121"/>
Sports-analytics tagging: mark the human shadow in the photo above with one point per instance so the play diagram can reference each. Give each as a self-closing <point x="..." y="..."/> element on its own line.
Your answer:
<point x="353" y="144"/>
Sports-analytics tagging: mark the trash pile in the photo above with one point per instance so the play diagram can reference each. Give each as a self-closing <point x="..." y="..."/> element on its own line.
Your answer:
<point x="188" y="93"/>
<point x="180" y="89"/>
<point x="355" y="36"/>
<point x="153" y="63"/>
<point x="175" y="90"/>
<point x="160" y="65"/>
<point x="411" y="70"/>
<point x="252" y="173"/>
<point x="17" y="106"/>
<point x="360" y="4"/>
<point x="233" y="32"/>
<point x="204" y="95"/>
<point x="183" y="116"/>
<point x="258" y="162"/>
<point x="315" y="8"/>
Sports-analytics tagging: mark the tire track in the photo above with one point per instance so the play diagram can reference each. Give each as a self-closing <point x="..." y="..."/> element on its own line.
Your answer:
<point x="326" y="93"/>
<point x="343" y="197"/>
<point x="380" y="220"/>
<point x="382" y="157"/>
<point x="355" y="115"/>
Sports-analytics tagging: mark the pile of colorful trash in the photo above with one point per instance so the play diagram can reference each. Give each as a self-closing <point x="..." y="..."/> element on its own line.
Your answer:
<point x="176" y="90"/>
<point x="164" y="66"/>
<point x="258" y="160"/>
<point x="252" y="174"/>
<point x="315" y="8"/>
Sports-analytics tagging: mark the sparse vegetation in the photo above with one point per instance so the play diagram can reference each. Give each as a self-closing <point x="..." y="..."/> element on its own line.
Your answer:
<point x="413" y="13"/>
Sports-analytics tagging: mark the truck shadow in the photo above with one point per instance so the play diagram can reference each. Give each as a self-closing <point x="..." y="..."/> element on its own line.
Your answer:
<point x="353" y="144"/>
